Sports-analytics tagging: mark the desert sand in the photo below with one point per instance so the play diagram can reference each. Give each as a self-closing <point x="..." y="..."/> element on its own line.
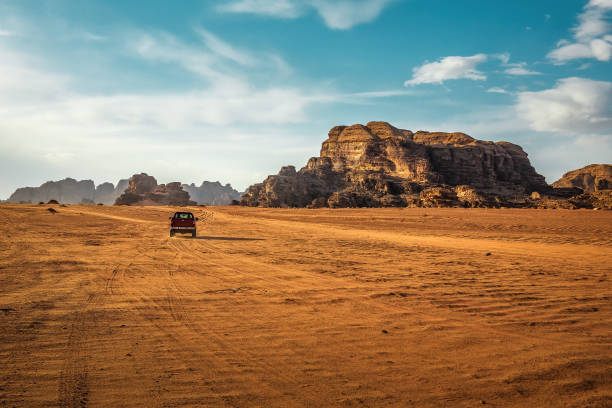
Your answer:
<point x="305" y="308"/>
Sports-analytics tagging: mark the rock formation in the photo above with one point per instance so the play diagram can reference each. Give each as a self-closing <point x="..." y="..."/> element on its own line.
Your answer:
<point x="69" y="191"/>
<point x="144" y="190"/>
<point x="210" y="193"/>
<point x="594" y="177"/>
<point x="379" y="165"/>
<point x="588" y="187"/>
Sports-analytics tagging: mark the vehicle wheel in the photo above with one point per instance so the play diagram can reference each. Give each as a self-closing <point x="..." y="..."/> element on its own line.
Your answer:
<point x="171" y="233"/>
<point x="193" y="235"/>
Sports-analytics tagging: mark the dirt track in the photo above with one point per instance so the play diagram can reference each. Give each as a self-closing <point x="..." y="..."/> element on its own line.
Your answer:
<point x="305" y="308"/>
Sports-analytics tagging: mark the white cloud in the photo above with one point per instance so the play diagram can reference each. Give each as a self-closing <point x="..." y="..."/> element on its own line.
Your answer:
<point x="601" y="3"/>
<point x="519" y="69"/>
<point x="573" y="106"/>
<point x="592" y="39"/>
<point x="496" y="89"/>
<point x="592" y="22"/>
<point x="273" y="8"/>
<point x="337" y="14"/>
<point x="571" y="51"/>
<point x="344" y="14"/>
<point x="514" y="68"/>
<point x="452" y="67"/>
<point x="599" y="49"/>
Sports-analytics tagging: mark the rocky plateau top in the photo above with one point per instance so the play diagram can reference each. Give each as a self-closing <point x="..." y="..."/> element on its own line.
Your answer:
<point x="379" y="165"/>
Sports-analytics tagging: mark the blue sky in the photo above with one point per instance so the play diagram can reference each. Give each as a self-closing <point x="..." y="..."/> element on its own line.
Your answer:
<point x="233" y="90"/>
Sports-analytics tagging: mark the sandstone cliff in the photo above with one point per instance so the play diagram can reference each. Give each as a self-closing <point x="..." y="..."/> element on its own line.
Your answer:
<point x="589" y="179"/>
<point x="70" y="191"/>
<point x="379" y="165"/>
<point x="144" y="190"/>
<point x="210" y="193"/>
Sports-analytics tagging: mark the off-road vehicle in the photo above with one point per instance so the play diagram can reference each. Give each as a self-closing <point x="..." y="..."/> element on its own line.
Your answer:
<point x="183" y="223"/>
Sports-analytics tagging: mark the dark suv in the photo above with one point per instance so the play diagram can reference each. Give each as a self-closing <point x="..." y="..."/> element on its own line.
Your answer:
<point x="183" y="223"/>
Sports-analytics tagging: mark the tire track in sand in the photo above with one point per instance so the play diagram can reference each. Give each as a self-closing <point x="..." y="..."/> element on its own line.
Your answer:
<point x="174" y="306"/>
<point x="73" y="389"/>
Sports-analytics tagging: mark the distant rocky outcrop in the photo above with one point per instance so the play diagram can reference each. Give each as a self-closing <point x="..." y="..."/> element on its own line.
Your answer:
<point x="378" y="165"/>
<point x="210" y="193"/>
<point x="588" y="187"/>
<point x="144" y="190"/>
<point x="70" y="191"/>
<point x="594" y="177"/>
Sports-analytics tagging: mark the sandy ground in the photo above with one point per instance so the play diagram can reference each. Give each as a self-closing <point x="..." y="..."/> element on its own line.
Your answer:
<point x="305" y="308"/>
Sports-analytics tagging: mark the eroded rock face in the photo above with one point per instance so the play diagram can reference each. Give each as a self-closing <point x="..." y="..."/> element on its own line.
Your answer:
<point x="210" y="193"/>
<point x="379" y="165"/>
<point x="144" y="190"/>
<point x="70" y="191"/>
<point x="592" y="178"/>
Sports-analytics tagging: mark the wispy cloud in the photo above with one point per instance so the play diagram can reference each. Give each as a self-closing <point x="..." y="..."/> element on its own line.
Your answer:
<point x="225" y="50"/>
<point x="447" y="68"/>
<point x="272" y="8"/>
<point x="592" y="37"/>
<point x="519" y="69"/>
<point x="496" y="89"/>
<point x="93" y="37"/>
<point x="383" y="94"/>
<point x="344" y="14"/>
<point x="337" y="14"/>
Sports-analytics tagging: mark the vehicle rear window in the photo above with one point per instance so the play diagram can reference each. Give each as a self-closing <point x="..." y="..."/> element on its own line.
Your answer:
<point x="183" y="216"/>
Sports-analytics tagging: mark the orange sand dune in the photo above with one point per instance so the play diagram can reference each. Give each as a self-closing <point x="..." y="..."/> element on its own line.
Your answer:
<point x="99" y="307"/>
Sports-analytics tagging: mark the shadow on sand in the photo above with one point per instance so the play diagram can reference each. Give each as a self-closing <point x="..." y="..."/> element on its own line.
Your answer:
<point x="222" y="238"/>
